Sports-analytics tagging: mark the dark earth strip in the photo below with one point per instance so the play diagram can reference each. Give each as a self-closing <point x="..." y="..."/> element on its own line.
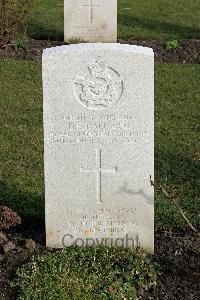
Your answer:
<point x="187" y="52"/>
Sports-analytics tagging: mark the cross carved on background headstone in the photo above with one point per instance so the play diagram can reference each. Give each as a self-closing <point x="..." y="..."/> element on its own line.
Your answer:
<point x="91" y="6"/>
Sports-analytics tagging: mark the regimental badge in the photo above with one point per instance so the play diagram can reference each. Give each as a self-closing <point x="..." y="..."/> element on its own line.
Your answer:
<point x="100" y="89"/>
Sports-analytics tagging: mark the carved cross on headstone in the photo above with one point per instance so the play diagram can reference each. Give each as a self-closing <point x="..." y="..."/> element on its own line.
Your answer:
<point x="99" y="171"/>
<point x="91" y="6"/>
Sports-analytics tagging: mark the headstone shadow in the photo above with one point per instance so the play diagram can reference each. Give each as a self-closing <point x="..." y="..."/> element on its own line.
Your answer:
<point x="164" y="27"/>
<point x="140" y="192"/>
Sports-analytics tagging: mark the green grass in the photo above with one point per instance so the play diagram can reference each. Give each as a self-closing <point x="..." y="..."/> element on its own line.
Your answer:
<point x="21" y="165"/>
<point x="177" y="112"/>
<point x="78" y="273"/>
<point x="153" y="19"/>
<point x="177" y="115"/>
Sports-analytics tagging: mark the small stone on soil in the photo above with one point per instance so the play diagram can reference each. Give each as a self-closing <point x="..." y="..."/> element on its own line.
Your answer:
<point x="8" y="247"/>
<point x="3" y="238"/>
<point x="30" y="245"/>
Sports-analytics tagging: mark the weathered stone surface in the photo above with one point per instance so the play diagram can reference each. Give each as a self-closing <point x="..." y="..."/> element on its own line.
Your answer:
<point x="90" y="20"/>
<point x="99" y="144"/>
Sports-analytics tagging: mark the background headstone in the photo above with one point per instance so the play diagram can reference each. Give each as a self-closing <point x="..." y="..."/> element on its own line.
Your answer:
<point x="99" y="145"/>
<point x="90" y="20"/>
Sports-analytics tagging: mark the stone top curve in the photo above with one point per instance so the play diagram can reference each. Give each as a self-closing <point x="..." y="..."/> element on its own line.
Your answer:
<point x="98" y="46"/>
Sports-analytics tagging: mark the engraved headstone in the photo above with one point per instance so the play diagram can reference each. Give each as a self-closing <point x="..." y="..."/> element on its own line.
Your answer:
<point x="99" y="145"/>
<point x="90" y="20"/>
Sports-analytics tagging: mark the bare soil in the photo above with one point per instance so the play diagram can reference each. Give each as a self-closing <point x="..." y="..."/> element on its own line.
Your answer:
<point x="179" y="277"/>
<point x="188" y="52"/>
<point x="176" y="253"/>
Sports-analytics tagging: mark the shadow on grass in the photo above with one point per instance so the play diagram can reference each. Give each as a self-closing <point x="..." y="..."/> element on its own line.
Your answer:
<point x="43" y="32"/>
<point x="182" y="32"/>
<point x="30" y="208"/>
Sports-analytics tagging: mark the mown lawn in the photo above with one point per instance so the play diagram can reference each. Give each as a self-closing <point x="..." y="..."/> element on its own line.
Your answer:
<point x="153" y="19"/>
<point x="177" y="113"/>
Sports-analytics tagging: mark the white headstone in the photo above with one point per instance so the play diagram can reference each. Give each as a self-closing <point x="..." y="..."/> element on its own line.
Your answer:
<point x="99" y="145"/>
<point x="90" y="20"/>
